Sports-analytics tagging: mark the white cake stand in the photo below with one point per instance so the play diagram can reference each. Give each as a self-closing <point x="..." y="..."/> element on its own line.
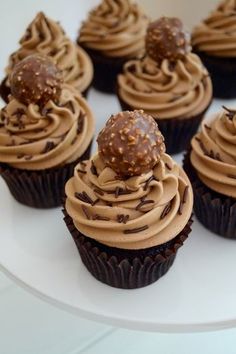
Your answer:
<point x="197" y="294"/>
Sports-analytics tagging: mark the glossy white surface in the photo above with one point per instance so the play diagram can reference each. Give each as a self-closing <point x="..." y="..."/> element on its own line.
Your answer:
<point x="36" y="250"/>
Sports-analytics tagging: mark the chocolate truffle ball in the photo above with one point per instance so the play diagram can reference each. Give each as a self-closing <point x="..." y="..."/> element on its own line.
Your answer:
<point x="167" y="39"/>
<point x="36" y="79"/>
<point x="131" y="143"/>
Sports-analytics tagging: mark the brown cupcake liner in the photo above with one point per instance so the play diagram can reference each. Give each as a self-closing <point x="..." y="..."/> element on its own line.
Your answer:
<point x="40" y="189"/>
<point x="215" y="211"/>
<point x="223" y="74"/>
<point x="5" y="91"/>
<point x="105" y="70"/>
<point x="177" y="132"/>
<point x="126" y="269"/>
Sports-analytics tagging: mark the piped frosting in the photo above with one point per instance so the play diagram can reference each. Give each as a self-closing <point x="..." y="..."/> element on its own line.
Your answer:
<point x="116" y="29"/>
<point x="136" y="213"/>
<point x="36" y="138"/>
<point x="214" y="153"/>
<point x="216" y="35"/>
<point x="45" y="36"/>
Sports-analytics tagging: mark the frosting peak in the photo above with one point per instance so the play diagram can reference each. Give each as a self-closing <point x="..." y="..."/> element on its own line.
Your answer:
<point x="214" y="153"/>
<point x="46" y="37"/>
<point x="216" y="35"/>
<point x="115" y="28"/>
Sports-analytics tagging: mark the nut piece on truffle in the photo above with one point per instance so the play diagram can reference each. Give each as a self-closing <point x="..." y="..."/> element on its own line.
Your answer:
<point x="167" y="39"/>
<point x="36" y="79"/>
<point x="131" y="143"/>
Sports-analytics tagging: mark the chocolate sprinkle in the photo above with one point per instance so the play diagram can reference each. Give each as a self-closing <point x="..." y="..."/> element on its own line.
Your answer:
<point x="48" y="147"/>
<point x="122" y="218"/>
<point x="124" y="191"/>
<point x="185" y="194"/>
<point x="74" y="140"/>
<point x="98" y="191"/>
<point x="100" y="217"/>
<point x="150" y="179"/>
<point x="81" y="171"/>
<point x="183" y="201"/>
<point x="207" y="127"/>
<point x="136" y="230"/>
<point x="202" y="146"/>
<point x="180" y="210"/>
<point x="95" y="201"/>
<point x="84" y="197"/>
<point x="117" y="192"/>
<point x="231" y="176"/>
<point x="120" y="178"/>
<point x="144" y="202"/>
<point x="211" y="154"/>
<point x="166" y="210"/>
<point x="85" y="210"/>
<point x="93" y="169"/>
<point x="231" y="112"/>
<point x="217" y="157"/>
<point x="80" y="123"/>
<point x="168" y="166"/>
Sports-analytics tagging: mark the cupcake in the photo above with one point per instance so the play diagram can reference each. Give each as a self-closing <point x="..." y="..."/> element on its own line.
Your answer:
<point x="214" y="40"/>
<point x="47" y="37"/>
<point x="170" y="83"/>
<point x="113" y="33"/>
<point x="129" y="207"/>
<point x="211" y="166"/>
<point x="45" y="130"/>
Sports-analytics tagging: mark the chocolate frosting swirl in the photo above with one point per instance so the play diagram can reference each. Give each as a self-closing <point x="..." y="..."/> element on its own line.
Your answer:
<point x="135" y="213"/>
<point x="36" y="139"/>
<point x="216" y="35"/>
<point x="214" y="154"/>
<point x="166" y="90"/>
<point x="116" y="29"/>
<point x="46" y="37"/>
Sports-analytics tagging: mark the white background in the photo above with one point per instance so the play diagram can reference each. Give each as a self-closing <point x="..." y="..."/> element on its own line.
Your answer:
<point x="27" y="325"/>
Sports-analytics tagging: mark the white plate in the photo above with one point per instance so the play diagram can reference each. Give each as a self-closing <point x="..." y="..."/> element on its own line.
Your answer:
<point x="198" y="293"/>
<point x="36" y="250"/>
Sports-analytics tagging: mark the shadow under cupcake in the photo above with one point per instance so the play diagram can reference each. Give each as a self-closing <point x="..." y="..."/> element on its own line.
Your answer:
<point x="45" y="130"/>
<point x="129" y="207"/>
<point x="170" y="83"/>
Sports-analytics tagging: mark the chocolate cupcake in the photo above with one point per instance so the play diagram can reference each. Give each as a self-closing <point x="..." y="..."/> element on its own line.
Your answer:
<point x="113" y="33"/>
<point x="46" y="37"/>
<point x="214" y="40"/>
<point x="45" y="130"/>
<point x="129" y="207"/>
<point x="170" y="83"/>
<point x="211" y="166"/>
